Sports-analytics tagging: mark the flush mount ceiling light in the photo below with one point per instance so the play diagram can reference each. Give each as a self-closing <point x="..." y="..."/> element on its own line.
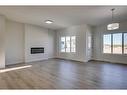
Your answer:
<point x="48" y="21"/>
<point x="113" y="25"/>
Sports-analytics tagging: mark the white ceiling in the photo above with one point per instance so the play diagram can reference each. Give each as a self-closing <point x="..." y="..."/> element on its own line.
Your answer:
<point x="64" y="16"/>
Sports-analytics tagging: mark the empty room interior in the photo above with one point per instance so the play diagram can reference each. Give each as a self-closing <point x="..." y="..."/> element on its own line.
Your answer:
<point x="63" y="47"/>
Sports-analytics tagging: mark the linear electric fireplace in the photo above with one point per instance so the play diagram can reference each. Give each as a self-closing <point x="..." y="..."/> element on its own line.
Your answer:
<point x="36" y="50"/>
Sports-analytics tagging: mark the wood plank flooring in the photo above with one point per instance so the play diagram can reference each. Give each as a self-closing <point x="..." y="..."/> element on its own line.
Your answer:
<point x="64" y="74"/>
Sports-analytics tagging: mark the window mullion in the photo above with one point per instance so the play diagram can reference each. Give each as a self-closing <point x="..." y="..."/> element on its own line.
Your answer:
<point x="65" y="43"/>
<point x="70" y="43"/>
<point x="111" y="43"/>
<point x="122" y="43"/>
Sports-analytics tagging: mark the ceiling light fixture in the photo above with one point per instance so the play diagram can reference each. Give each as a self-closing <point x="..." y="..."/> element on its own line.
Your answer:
<point x="113" y="25"/>
<point x="48" y="21"/>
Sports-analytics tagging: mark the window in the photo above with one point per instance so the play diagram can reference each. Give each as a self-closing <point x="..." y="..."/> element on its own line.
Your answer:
<point x="89" y="42"/>
<point x="107" y="43"/>
<point x="68" y="44"/>
<point x="73" y="44"/>
<point x="115" y="43"/>
<point x="62" y="44"/>
<point x="125" y="43"/>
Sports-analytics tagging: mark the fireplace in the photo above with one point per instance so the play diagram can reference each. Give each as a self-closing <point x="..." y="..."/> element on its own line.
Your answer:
<point x="36" y="50"/>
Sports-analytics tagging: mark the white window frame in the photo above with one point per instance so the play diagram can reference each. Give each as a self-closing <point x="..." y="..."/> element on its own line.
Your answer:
<point x="70" y="44"/>
<point x="64" y="43"/>
<point x="112" y="44"/>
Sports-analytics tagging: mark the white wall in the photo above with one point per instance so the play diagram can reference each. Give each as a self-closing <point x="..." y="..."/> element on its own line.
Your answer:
<point x="51" y="43"/>
<point x="2" y="42"/>
<point x="36" y="36"/>
<point x="19" y="37"/>
<point x="80" y="31"/>
<point x="14" y="42"/>
<point x="98" y="45"/>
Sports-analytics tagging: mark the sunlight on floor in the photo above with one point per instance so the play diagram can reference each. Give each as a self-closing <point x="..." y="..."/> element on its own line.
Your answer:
<point x="15" y="68"/>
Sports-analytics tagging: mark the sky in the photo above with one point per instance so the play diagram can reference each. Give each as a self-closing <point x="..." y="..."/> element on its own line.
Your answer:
<point x="117" y="38"/>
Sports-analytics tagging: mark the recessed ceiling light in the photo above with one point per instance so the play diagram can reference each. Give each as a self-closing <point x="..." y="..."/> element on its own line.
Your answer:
<point x="48" y="21"/>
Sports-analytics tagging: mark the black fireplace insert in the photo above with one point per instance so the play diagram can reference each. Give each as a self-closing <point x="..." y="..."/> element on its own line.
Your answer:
<point x="36" y="50"/>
